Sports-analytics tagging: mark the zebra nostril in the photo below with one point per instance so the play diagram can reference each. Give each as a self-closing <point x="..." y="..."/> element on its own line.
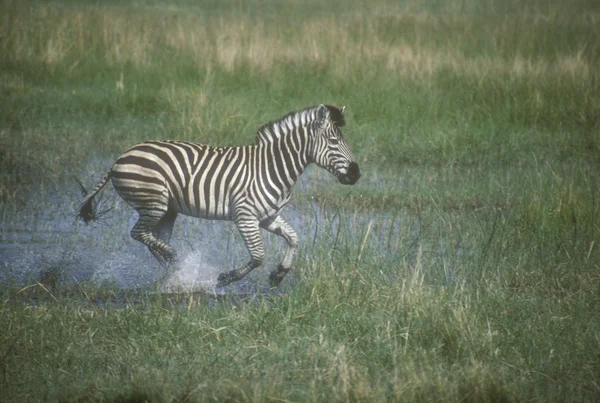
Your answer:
<point x="354" y="171"/>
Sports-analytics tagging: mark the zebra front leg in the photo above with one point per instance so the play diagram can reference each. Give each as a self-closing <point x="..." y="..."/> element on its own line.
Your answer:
<point x="248" y="227"/>
<point x="279" y="227"/>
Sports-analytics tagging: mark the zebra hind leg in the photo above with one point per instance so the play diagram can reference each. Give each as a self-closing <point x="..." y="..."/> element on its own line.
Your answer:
<point x="164" y="228"/>
<point x="144" y="230"/>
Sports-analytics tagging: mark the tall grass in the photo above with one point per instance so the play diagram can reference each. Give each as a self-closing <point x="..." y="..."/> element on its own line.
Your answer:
<point x="463" y="266"/>
<point x="459" y="83"/>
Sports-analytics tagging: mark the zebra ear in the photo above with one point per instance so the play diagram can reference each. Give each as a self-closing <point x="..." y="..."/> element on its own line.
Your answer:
<point x="342" y="110"/>
<point x="322" y="112"/>
<point x="322" y="116"/>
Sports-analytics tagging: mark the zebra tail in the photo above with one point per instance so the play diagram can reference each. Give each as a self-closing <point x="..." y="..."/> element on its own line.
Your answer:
<point x="89" y="210"/>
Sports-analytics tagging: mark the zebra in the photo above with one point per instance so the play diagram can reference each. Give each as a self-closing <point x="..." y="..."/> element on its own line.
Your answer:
<point x="248" y="185"/>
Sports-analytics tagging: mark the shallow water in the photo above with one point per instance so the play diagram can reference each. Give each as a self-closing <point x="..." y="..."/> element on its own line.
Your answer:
<point x="44" y="237"/>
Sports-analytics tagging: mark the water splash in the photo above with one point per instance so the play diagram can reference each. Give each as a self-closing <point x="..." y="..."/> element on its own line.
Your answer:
<point x="196" y="274"/>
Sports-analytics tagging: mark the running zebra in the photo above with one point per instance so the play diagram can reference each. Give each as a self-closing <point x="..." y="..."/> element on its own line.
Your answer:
<point x="248" y="185"/>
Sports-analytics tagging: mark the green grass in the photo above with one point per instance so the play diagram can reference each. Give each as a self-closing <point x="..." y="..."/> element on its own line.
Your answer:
<point x="476" y="125"/>
<point x="338" y="336"/>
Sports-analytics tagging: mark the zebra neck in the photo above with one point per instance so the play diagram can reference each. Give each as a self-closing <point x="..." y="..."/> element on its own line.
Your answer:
<point x="287" y="158"/>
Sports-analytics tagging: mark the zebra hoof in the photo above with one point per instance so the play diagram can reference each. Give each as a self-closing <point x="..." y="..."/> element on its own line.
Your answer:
<point x="274" y="279"/>
<point x="225" y="279"/>
<point x="277" y="276"/>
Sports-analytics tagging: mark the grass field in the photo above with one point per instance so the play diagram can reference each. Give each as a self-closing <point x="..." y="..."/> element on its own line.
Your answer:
<point x="463" y="266"/>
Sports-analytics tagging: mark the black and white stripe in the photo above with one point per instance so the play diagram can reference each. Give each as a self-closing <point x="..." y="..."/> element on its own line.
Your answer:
<point x="248" y="185"/>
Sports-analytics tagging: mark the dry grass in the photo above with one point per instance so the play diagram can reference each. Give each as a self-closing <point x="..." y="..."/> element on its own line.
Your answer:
<point x="54" y="36"/>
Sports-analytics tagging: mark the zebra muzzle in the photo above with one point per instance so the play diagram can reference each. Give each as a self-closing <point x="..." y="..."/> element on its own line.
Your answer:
<point x="351" y="176"/>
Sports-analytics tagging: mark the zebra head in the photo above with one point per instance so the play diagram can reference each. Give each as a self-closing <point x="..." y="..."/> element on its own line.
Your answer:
<point x="331" y="150"/>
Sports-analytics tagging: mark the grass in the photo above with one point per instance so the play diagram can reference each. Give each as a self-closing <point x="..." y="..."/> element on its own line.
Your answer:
<point x="463" y="266"/>
<point x="333" y="337"/>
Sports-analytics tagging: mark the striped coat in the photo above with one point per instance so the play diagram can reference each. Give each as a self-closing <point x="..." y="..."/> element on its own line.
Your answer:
<point x="248" y="185"/>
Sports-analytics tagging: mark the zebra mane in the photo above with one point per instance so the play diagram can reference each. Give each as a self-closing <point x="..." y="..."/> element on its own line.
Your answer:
<point x="276" y="129"/>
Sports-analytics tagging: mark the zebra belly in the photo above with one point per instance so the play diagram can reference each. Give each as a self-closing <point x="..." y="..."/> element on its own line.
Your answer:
<point x="197" y="204"/>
